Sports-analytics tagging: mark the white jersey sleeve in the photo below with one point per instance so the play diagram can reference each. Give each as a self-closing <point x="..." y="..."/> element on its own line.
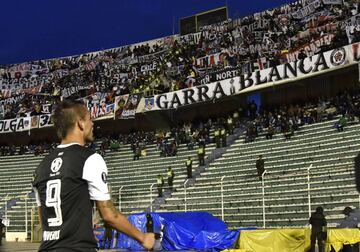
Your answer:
<point x="95" y="173"/>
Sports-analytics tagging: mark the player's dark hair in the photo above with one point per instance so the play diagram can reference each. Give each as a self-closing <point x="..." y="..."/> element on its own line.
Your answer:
<point x="65" y="116"/>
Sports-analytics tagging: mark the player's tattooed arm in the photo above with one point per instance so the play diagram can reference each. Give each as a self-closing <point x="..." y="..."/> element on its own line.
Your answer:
<point x="107" y="205"/>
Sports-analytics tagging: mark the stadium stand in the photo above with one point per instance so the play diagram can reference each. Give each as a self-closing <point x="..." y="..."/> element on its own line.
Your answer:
<point x="254" y="42"/>
<point x="236" y="47"/>
<point x="286" y="195"/>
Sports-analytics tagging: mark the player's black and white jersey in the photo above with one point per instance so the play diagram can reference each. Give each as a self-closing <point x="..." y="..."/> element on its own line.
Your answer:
<point x="65" y="184"/>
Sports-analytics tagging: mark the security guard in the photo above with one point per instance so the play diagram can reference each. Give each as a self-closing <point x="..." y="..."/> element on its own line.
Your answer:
<point x="188" y="164"/>
<point x="201" y="154"/>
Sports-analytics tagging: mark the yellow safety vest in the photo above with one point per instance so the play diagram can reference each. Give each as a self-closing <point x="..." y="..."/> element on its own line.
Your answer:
<point x="188" y="162"/>
<point x="169" y="173"/>
<point x="201" y="151"/>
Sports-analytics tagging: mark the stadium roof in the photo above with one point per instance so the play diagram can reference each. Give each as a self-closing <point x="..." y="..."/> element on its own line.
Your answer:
<point x="42" y="29"/>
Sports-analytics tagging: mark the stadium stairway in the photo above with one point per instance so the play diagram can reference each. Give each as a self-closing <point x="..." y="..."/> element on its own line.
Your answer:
<point x="210" y="157"/>
<point x="330" y="152"/>
<point x="134" y="177"/>
<point x="15" y="185"/>
<point x="286" y="195"/>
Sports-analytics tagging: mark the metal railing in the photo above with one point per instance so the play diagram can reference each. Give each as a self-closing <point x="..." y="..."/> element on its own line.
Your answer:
<point x="26" y="214"/>
<point x="151" y="198"/>
<point x="185" y="204"/>
<point x="222" y="197"/>
<point x="263" y="197"/>
<point x="120" y="189"/>
<point x="309" y="190"/>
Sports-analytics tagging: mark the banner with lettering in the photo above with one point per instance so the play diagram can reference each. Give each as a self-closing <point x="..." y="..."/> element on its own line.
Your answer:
<point x="45" y="120"/>
<point x="66" y="92"/>
<point x="307" y="10"/>
<point x="332" y="1"/>
<point x="310" y="66"/>
<point x="131" y="106"/>
<point x="220" y="75"/>
<point x="15" y="125"/>
<point x="210" y="60"/>
<point x="310" y="48"/>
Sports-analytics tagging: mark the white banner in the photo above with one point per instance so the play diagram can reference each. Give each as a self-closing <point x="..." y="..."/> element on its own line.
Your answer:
<point x="45" y="121"/>
<point x="247" y="82"/>
<point x="149" y="67"/>
<point x="210" y="60"/>
<point x="15" y="125"/>
<point x="332" y="1"/>
<point x="307" y="10"/>
<point x="193" y="37"/>
<point x="72" y="90"/>
<point x="190" y="96"/>
<point x="311" y="48"/>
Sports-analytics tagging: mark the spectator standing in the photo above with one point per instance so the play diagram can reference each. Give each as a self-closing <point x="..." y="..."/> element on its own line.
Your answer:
<point x="270" y="132"/>
<point x="357" y="172"/>
<point x="137" y="152"/>
<point x="260" y="167"/>
<point x="2" y="226"/>
<point x="341" y="123"/>
<point x="351" y="220"/>
<point x="252" y="107"/>
<point x="230" y="125"/>
<point x="188" y="164"/>
<point x="236" y="118"/>
<point x="318" y="233"/>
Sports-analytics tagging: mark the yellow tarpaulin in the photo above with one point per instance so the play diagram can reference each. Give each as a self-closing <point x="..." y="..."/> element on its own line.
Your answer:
<point x="293" y="240"/>
<point x="278" y="240"/>
<point x="234" y="250"/>
<point x="338" y="237"/>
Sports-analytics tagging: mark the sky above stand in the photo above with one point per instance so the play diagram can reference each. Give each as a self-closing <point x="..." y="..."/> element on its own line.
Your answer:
<point x="43" y="29"/>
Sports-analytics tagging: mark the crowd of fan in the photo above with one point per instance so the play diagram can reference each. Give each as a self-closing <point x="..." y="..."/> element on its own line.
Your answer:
<point x="173" y="63"/>
<point x="288" y="119"/>
<point x="36" y="148"/>
<point x="285" y="120"/>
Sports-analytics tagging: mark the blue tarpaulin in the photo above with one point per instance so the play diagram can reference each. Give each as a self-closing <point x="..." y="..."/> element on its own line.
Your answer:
<point x="183" y="231"/>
